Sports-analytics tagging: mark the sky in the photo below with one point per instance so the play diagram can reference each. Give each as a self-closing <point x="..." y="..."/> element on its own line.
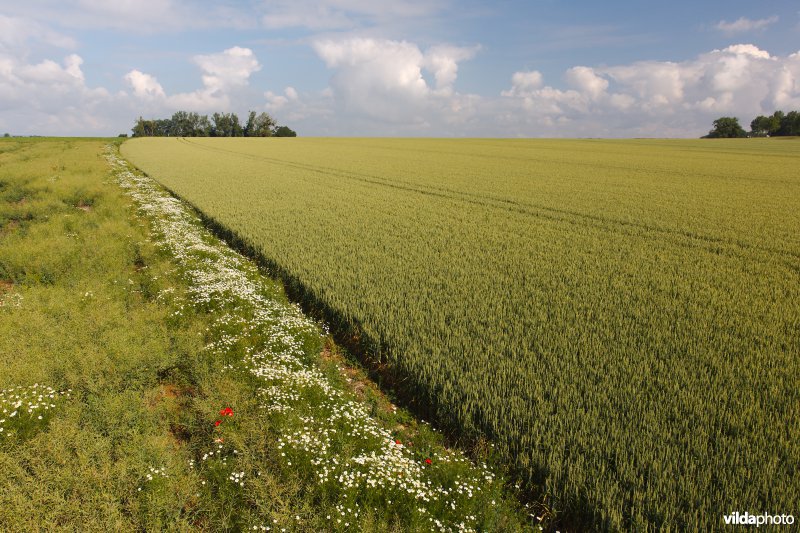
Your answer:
<point x="444" y="68"/>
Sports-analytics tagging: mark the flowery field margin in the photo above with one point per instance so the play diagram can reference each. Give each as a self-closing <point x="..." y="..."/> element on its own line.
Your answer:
<point x="352" y="464"/>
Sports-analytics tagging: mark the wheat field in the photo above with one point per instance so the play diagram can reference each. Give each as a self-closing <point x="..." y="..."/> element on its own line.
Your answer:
<point x="621" y="318"/>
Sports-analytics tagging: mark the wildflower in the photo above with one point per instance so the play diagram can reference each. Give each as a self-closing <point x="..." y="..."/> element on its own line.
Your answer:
<point x="226" y="412"/>
<point x="428" y="461"/>
<point x="217" y="423"/>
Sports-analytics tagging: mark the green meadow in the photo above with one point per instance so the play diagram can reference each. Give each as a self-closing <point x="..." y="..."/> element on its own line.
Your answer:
<point x="621" y="318"/>
<point x="77" y="315"/>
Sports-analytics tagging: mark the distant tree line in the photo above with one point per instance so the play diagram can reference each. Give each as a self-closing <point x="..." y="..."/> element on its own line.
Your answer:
<point x="779" y="124"/>
<point x="185" y="124"/>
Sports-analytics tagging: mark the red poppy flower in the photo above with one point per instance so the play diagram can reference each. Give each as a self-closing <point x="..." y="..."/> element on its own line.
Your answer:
<point x="226" y="412"/>
<point x="398" y="442"/>
<point x="427" y="461"/>
<point x="218" y="422"/>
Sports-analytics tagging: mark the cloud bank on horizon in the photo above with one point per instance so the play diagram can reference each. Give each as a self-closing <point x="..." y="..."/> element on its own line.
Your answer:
<point x="353" y="67"/>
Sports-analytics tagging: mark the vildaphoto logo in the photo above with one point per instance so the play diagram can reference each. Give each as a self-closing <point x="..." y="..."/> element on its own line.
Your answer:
<point x="763" y="519"/>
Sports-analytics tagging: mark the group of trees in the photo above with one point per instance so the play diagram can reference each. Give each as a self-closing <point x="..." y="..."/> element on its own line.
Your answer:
<point x="184" y="124"/>
<point x="778" y="124"/>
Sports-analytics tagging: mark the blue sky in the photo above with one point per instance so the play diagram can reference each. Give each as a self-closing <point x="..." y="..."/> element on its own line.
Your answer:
<point x="404" y="67"/>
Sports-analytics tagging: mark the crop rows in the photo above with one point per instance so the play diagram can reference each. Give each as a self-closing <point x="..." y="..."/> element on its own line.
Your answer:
<point x="621" y="317"/>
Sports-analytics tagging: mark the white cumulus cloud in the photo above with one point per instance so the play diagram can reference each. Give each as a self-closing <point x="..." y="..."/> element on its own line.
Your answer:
<point x="276" y="101"/>
<point x="586" y="81"/>
<point x="223" y="74"/>
<point x="385" y="79"/>
<point x="230" y="68"/>
<point x="50" y="97"/>
<point x="399" y="88"/>
<point x="144" y="85"/>
<point x="395" y="87"/>
<point x="443" y="62"/>
<point x="659" y="98"/>
<point x="524" y="83"/>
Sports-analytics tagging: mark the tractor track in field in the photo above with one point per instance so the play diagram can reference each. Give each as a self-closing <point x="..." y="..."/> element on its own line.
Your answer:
<point x="685" y="239"/>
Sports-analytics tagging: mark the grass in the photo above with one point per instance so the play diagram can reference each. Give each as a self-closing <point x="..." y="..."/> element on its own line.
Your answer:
<point x="75" y="317"/>
<point x="619" y="317"/>
<point x="176" y="385"/>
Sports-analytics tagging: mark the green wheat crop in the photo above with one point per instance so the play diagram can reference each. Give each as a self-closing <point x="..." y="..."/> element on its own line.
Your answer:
<point x="621" y="317"/>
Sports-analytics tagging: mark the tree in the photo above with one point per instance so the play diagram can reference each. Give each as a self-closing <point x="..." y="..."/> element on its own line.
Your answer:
<point x="163" y="127"/>
<point x="204" y="127"/>
<point x="250" y="127"/>
<point x="790" y="124"/>
<point x="258" y="125"/>
<point x="793" y="120"/>
<point x="226" y="125"/>
<point x="263" y="125"/>
<point x="188" y="125"/>
<point x="185" y="124"/>
<point x="144" y="128"/>
<point x="776" y="120"/>
<point x="219" y="125"/>
<point x="726" y="128"/>
<point x="236" y="127"/>
<point x="761" y="125"/>
<point x="179" y="124"/>
<point x="778" y="124"/>
<point x="284" y="131"/>
<point x="6" y="135"/>
<point x="138" y="128"/>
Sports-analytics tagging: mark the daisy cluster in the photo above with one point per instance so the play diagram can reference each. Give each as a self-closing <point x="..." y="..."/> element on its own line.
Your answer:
<point x="322" y="432"/>
<point x="153" y="473"/>
<point x="11" y="300"/>
<point x="23" y="409"/>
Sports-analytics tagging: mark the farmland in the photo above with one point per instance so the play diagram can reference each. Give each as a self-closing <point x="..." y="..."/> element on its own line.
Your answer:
<point x="153" y="379"/>
<point x="621" y="318"/>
